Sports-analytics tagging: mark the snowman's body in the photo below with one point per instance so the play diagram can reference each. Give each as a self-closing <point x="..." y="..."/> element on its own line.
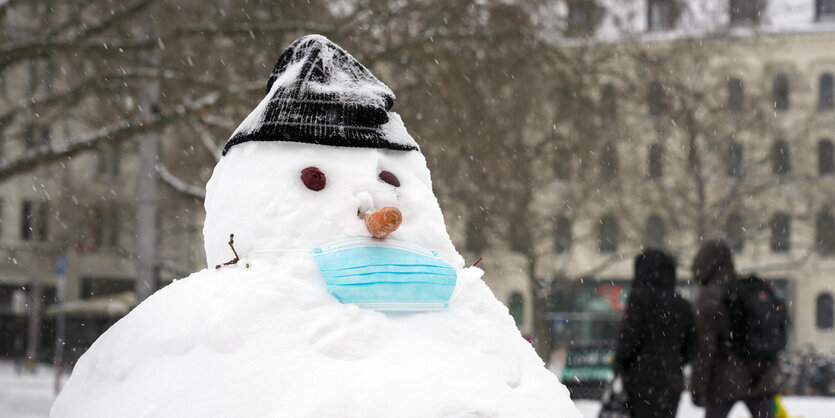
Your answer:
<point x="264" y="337"/>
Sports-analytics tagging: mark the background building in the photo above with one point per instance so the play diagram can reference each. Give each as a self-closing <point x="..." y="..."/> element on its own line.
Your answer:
<point x="563" y="137"/>
<point x="705" y="119"/>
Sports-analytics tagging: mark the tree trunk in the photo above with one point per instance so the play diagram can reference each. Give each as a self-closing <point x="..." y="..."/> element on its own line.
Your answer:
<point x="147" y="177"/>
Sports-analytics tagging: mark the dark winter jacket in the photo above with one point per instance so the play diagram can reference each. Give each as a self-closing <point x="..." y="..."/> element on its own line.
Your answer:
<point x="718" y="373"/>
<point x="657" y="338"/>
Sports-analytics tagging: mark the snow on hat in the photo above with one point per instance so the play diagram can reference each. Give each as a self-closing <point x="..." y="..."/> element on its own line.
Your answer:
<point x="319" y="94"/>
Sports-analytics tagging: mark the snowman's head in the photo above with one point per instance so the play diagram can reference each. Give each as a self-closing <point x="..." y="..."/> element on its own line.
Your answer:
<point x="319" y="153"/>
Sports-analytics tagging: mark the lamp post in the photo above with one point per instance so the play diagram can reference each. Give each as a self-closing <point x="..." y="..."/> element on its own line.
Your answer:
<point x="60" y="321"/>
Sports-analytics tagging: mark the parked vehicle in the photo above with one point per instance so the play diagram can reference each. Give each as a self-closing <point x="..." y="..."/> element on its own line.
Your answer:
<point x="587" y="371"/>
<point x="808" y="372"/>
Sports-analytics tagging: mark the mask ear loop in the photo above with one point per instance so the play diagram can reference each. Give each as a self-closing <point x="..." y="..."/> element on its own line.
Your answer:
<point x="275" y="251"/>
<point x="279" y="250"/>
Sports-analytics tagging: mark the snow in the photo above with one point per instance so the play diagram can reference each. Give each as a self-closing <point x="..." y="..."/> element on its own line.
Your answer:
<point x="25" y="395"/>
<point x="255" y="193"/>
<point x="111" y="305"/>
<point x="269" y="340"/>
<point x="264" y="337"/>
<point x="256" y="117"/>
<point x="353" y="84"/>
<point x="30" y="396"/>
<point x="806" y="407"/>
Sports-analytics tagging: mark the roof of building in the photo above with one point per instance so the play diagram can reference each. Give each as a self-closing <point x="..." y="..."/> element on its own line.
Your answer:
<point x="623" y="20"/>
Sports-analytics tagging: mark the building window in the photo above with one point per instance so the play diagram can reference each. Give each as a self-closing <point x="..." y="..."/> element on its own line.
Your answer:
<point x="825" y="9"/>
<point x="826" y="89"/>
<point x="825" y="233"/>
<point x="41" y="221"/>
<point x="101" y="162"/>
<point x="734" y="159"/>
<point x="824" y="317"/>
<point x="32" y="76"/>
<point x="104" y="286"/>
<point x="609" y="162"/>
<point x="661" y="14"/>
<point x="780" y="163"/>
<point x="656" y="158"/>
<point x="736" y="95"/>
<point x="115" y="160"/>
<point x="44" y="135"/>
<point x="562" y="168"/>
<point x="29" y="137"/>
<point x="517" y="308"/>
<point x="476" y="241"/>
<point x="780" y="233"/>
<point x="655" y="233"/>
<point x="780" y="92"/>
<point x="607" y="234"/>
<point x="106" y="227"/>
<point x="112" y="238"/>
<point x="583" y="17"/>
<point x="655" y="98"/>
<point x="34" y="135"/>
<point x="608" y="102"/>
<point x="745" y="12"/>
<point x="563" y="235"/>
<point x="33" y="220"/>
<point x="26" y="220"/>
<point x="826" y="157"/>
<point x="109" y="160"/>
<point x="735" y="232"/>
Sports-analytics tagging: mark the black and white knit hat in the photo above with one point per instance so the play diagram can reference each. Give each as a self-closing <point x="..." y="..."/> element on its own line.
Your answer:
<point x="320" y="94"/>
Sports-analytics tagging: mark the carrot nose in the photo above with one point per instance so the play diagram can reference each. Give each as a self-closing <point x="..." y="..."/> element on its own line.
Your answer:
<point x="383" y="222"/>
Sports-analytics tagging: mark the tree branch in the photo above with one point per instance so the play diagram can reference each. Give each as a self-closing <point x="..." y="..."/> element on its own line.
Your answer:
<point x="95" y="84"/>
<point x="178" y="185"/>
<point x="111" y="19"/>
<point x="208" y="141"/>
<point x="13" y="52"/>
<point x="117" y="133"/>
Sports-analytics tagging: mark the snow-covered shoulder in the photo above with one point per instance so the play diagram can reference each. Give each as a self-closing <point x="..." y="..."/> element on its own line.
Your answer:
<point x="253" y="341"/>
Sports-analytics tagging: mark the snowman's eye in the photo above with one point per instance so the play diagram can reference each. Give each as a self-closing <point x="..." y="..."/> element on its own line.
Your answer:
<point x="390" y="178"/>
<point x="313" y="178"/>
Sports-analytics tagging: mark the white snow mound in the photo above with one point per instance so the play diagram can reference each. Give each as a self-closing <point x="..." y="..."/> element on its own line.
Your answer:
<point x="253" y="342"/>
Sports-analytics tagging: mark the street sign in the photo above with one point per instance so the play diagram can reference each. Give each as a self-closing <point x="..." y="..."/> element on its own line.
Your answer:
<point x="61" y="265"/>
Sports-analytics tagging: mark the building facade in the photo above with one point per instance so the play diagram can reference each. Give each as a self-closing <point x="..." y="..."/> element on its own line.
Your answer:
<point x="717" y="121"/>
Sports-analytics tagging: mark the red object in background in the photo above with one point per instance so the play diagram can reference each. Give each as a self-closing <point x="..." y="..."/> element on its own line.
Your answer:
<point x="612" y="294"/>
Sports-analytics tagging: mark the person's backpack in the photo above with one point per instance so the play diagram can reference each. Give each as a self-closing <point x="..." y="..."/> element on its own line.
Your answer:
<point x="758" y="319"/>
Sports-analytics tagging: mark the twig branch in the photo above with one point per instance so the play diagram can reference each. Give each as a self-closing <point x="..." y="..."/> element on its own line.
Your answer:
<point x="178" y="185"/>
<point x="234" y="260"/>
<point x="208" y="141"/>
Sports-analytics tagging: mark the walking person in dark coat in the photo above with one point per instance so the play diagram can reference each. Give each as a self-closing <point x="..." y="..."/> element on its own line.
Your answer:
<point x="720" y="377"/>
<point x="657" y="338"/>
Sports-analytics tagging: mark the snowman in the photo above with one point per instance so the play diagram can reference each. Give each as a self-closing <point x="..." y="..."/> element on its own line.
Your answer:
<point x="340" y="294"/>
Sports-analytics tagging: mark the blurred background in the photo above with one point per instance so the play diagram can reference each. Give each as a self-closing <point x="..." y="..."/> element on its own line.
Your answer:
<point x="563" y="136"/>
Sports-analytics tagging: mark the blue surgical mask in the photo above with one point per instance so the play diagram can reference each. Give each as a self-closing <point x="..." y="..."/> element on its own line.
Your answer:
<point x="386" y="275"/>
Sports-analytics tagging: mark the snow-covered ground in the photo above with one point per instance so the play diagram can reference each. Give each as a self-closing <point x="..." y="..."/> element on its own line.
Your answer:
<point x="797" y="407"/>
<point x="27" y="395"/>
<point x="30" y="396"/>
